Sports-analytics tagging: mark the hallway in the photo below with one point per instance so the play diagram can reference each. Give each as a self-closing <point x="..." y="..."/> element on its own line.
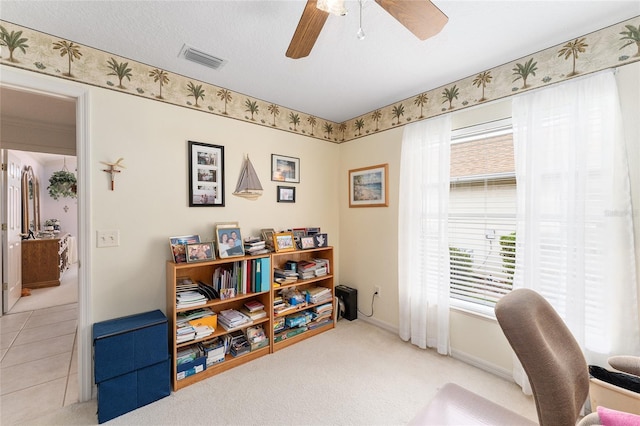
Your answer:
<point x="38" y="353"/>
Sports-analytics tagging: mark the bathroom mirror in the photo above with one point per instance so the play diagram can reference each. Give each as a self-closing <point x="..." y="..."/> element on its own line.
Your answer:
<point x="30" y="202"/>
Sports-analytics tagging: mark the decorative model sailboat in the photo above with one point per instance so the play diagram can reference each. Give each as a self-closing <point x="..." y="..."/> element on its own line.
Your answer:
<point x="248" y="186"/>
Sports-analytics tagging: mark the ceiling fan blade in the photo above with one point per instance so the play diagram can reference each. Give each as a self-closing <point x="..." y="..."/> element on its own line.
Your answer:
<point x="308" y="30"/>
<point x="421" y="17"/>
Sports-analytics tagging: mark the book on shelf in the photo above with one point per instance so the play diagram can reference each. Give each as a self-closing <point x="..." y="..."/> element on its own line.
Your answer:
<point x="214" y="350"/>
<point x="253" y="305"/>
<point x="323" y="263"/>
<point x="285" y="307"/>
<point x="254" y="315"/>
<point x="283" y="335"/>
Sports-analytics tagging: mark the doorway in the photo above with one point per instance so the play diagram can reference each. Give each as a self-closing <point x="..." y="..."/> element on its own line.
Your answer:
<point x="54" y="88"/>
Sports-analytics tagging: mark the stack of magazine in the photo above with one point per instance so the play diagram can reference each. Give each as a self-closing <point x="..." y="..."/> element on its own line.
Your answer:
<point x="231" y="318"/>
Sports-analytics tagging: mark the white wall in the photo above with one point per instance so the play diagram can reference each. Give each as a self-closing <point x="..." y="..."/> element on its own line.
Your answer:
<point x="368" y="240"/>
<point x="150" y="201"/>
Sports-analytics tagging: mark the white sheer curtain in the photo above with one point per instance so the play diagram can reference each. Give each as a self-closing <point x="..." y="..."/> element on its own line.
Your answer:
<point x="423" y="249"/>
<point x="575" y="227"/>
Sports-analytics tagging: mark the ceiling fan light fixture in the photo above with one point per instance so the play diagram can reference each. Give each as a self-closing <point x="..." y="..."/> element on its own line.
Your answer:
<point x="335" y="7"/>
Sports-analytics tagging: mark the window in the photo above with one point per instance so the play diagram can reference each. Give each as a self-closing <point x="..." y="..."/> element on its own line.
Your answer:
<point x="482" y="216"/>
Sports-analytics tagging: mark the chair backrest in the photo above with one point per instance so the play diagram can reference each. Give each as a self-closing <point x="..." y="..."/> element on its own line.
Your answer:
<point x="549" y="353"/>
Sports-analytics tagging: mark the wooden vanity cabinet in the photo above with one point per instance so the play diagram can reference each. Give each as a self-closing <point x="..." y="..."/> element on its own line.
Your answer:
<point x="44" y="261"/>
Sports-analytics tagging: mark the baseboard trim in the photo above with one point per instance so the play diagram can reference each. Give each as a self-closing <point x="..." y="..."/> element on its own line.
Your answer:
<point x="457" y="354"/>
<point x="482" y="364"/>
<point x="378" y="323"/>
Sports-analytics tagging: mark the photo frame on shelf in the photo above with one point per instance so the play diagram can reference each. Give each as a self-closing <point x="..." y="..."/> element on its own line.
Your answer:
<point x="284" y="241"/>
<point x="285" y="169"/>
<point x="206" y="175"/>
<point x="286" y="194"/>
<point x="298" y="233"/>
<point x="200" y="252"/>
<point x="312" y="231"/>
<point x="178" y="247"/>
<point x="320" y="240"/>
<point x="229" y="241"/>
<point x="307" y="242"/>
<point x="369" y="186"/>
<point x="267" y="235"/>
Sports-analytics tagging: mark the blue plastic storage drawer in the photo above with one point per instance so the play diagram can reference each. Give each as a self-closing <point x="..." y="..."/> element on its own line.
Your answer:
<point x="121" y="394"/>
<point x="126" y="344"/>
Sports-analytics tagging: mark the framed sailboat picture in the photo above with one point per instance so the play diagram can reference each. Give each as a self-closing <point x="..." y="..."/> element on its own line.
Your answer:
<point x="206" y="175"/>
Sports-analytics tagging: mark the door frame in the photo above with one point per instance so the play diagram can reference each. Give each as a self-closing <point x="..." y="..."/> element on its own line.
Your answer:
<point x="27" y="80"/>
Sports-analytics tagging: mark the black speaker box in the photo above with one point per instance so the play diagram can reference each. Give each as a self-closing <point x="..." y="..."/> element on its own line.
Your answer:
<point x="349" y="298"/>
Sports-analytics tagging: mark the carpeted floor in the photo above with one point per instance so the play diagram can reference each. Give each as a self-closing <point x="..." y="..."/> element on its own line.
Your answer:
<point x="356" y="374"/>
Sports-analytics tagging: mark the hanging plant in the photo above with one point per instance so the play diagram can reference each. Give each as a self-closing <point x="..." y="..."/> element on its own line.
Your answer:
<point x="63" y="184"/>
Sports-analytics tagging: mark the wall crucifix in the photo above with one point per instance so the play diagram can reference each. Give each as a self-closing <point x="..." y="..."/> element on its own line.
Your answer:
<point x="113" y="169"/>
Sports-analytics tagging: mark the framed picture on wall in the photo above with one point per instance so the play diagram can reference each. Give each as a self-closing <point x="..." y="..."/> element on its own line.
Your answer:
<point x="285" y="169"/>
<point x="286" y="194"/>
<point x="206" y="175"/>
<point x="368" y="186"/>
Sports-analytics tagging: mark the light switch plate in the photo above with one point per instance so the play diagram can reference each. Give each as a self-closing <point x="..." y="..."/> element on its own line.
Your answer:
<point x="108" y="238"/>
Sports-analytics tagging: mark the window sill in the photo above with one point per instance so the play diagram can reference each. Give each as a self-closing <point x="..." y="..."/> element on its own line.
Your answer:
<point x="472" y="309"/>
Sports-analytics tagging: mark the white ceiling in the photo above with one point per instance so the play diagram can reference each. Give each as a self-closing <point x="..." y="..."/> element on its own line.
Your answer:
<point x="343" y="77"/>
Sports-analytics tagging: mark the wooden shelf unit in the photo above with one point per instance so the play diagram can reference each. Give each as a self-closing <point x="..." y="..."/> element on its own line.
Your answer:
<point x="278" y="260"/>
<point x="203" y="271"/>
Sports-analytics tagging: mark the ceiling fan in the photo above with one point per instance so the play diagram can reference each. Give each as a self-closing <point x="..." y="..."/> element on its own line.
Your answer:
<point x="421" y="17"/>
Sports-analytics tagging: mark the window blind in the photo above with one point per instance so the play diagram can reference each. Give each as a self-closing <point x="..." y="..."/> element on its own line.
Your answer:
<point x="482" y="218"/>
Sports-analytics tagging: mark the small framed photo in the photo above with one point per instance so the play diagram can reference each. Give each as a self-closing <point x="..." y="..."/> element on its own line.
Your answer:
<point x="285" y="169"/>
<point x="286" y="194"/>
<point x="200" y="252"/>
<point x="307" y="242"/>
<point x="320" y="240"/>
<point x="283" y="241"/>
<point x="178" y="247"/>
<point x="313" y="231"/>
<point x="298" y="233"/>
<point x="267" y="235"/>
<point x="368" y="186"/>
<point x="229" y="241"/>
<point x="206" y="175"/>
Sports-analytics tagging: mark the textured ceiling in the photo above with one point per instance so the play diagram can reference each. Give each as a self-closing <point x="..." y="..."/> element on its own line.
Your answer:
<point x="343" y="77"/>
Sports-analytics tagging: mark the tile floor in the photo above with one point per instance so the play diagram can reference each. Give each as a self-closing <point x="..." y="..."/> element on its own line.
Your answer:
<point x="38" y="363"/>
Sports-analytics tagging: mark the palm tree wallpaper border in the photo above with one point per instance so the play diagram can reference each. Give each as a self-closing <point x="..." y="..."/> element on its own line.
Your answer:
<point x="32" y="50"/>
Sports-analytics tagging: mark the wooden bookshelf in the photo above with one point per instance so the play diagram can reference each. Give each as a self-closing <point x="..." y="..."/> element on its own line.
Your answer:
<point x="203" y="271"/>
<point x="278" y="261"/>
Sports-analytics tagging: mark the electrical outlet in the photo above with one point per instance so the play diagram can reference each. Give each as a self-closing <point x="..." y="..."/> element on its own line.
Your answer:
<point x="108" y="238"/>
<point x="376" y="290"/>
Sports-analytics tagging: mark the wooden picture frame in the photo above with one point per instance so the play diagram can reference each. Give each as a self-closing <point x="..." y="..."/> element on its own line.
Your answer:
<point x="284" y="241"/>
<point x="285" y="169"/>
<point x="225" y="234"/>
<point x="178" y="246"/>
<point x="206" y="175"/>
<point x="200" y="252"/>
<point x="286" y="194"/>
<point x="369" y="186"/>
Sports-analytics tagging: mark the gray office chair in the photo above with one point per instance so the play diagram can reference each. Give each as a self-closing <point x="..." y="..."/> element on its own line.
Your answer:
<point x="551" y="357"/>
